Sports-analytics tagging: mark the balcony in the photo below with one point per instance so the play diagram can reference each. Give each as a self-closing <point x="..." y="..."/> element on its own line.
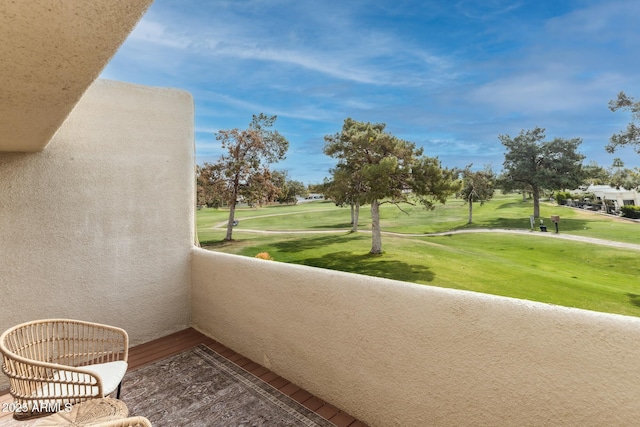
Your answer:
<point x="164" y="347"/>
<point x="99" y="225"/>
<point x="394" y="353"/>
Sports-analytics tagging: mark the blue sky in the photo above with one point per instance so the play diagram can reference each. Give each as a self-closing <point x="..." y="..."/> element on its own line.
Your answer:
<point x="447" y="75"/>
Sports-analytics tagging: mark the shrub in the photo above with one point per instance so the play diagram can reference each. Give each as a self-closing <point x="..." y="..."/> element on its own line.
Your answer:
<point x="630" y="211"/>
<point x="264" y="255"/>
<point x="561" y="197"/>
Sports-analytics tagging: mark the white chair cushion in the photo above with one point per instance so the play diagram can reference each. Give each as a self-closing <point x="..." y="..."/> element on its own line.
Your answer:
<point x="110" y="373"/>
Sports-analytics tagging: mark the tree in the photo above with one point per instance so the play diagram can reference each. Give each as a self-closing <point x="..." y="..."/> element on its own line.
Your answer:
<point x="210" y="186"/>
<point x="630" y="136"/>
<point x="595" y="174"/>
<point x="621" y="177"/>
<point x="477" y="187"/>
<point x="244" y="169"/>
<point x="507" y="185"/>
<point x="260" y="188"/>
<point x="347" y="188"/>
<point x="626" y="178"/>
<point x="319" y="188"/>
<point x="295" y="189"/>
<point x="617" y="163"/>
<point x="288" y="188"/>
<point x="389" y="170"/>
<point x="550" y="165"/>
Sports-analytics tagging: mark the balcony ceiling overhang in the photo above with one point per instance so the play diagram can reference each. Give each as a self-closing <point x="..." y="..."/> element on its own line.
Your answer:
<point x="50" y="52"/>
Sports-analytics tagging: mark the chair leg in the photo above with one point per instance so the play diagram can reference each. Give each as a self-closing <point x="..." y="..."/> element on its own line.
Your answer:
<point x="119" y="387"/>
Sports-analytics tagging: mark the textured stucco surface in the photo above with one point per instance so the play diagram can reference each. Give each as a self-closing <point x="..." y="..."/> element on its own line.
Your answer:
<point x="398" y="354"/>
<point x="99" y="225"/>
<point x="51" y="52"/>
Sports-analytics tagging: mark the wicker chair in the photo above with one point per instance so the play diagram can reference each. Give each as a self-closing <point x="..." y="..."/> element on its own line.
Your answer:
<point x="54" y="362"/>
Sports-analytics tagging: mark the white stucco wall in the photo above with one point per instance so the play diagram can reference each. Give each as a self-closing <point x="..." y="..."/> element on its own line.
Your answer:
<point x="99" y="226"/>
<point x="398" y="354"/>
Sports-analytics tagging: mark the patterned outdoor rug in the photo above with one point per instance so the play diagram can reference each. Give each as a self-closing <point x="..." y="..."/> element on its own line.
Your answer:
<point x="201" y="388"/>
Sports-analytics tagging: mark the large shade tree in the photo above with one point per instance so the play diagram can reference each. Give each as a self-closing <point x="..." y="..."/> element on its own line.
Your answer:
<point x="631" y="135"/>
<point x="389" y="170"/>
<point x="245" y="167"/>
<point x="541" y="165"/>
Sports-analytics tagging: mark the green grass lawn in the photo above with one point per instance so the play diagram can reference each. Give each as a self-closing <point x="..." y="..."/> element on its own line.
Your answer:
<point x="504" y="211"/>
<point x="530" y="267"/>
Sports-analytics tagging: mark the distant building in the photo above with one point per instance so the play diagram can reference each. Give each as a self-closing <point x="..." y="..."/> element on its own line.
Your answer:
<point x="606" y="198"/>
<point x="312" y="197"/>
<point x="620" y="197"/>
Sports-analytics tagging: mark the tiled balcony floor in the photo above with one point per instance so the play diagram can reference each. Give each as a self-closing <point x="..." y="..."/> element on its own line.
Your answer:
<point x="152" y="351"/>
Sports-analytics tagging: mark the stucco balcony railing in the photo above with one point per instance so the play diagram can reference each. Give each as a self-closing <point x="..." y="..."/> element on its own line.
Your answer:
<point x="398" y="354"/>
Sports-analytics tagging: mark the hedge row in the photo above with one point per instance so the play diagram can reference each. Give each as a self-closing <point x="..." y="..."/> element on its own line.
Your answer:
<point x="562" y="196"/>
<point x="630" y="211"/>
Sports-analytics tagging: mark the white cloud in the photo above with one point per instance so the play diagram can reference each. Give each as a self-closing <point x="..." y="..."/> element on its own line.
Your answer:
<point x="486" y="9"/>
<point x="532" y="93"/>
<point x="307" y="112"/>
<point x="599" y="23"/>
<point x="343" y="50"/>
<point x="148" y="31"/>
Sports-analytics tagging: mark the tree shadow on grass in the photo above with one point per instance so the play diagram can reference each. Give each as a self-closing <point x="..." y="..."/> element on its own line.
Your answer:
<point x="372" y="265"/>
<point x="291" y="245"/>
<point x="568" y="225"/>
<point x="346" y="225"/>
<point x="211" y="244"/>
<point x="307" y="242"/>
<point x="634" y="299"/>
<point x="360" y="263"/>
<point x="510" y="223"/>
<point x="517" y="204"/>
<point x="525" y="224"/>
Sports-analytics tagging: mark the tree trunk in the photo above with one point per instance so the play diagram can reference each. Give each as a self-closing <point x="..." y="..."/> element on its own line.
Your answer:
<point x="355" y="215"/>
<point x="536" y="201"/>
<point x="524" y="196"/>
<point x="353" y="212"/>
<point x="470" y="210"/>
<point x="232" y="207"/>
<point x="376" y="238"/>
<point x="232" y="212"/>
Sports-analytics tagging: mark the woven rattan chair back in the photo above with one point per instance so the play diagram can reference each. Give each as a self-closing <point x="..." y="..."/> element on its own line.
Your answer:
<point x="44" y="361"/>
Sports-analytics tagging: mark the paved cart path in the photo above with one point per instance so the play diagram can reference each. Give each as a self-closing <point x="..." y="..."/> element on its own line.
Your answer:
<point x="224" y="223"/>
<point x="549" y="235"/>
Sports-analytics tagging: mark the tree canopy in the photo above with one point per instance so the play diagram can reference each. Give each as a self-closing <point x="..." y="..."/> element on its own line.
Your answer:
<point x="541" y="165"/>
<point x="477" y="187"/>
<point x="621" y="177"/>
<point x="347" y="188"/>
<point x="631" y="135"/>
<point x="244" y="170"/>
<point x="211" y="188"/>
<point x="375" y="167"/>
<point x="288" y="188"/>
<point x="595" y="174"/>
